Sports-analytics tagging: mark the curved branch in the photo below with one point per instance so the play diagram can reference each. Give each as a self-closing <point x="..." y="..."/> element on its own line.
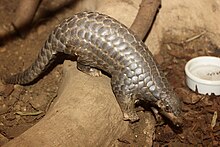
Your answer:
<point x="27" y="7"/>
<point x="145" y="17"/>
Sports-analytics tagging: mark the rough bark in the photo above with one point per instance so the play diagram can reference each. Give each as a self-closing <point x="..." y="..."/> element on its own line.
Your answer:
<point x="85" y="114"/>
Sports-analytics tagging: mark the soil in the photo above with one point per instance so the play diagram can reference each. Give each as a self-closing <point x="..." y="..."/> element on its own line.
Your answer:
<point x="200" y="112"/>
<point x="28" y="104"/>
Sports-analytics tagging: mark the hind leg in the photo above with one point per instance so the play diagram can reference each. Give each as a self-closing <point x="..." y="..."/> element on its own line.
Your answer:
<point x="88" y="69"/>
<point x="126" y="102"/>
<point x="127" y="105"/>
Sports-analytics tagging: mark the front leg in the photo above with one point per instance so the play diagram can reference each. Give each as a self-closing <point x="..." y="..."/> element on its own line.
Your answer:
<point x="88" y="70"/>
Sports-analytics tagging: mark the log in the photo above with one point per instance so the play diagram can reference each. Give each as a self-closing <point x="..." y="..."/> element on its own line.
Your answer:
<point x="84" y="114"/>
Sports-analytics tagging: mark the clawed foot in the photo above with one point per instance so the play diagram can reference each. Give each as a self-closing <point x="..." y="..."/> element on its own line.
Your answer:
<point x="94" y="72"/>
<point x="89" y="70"/>
<point x="131" y="116"/>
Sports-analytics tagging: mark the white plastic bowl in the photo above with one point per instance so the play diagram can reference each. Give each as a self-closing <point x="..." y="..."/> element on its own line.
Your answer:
<point x="203" y="75"/>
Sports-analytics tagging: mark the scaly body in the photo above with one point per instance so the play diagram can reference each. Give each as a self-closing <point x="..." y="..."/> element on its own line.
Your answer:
<point x="101" y="42"/>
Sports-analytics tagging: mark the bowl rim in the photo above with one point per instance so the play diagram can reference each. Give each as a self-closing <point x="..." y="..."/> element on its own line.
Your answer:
<point x="197" y="79"/>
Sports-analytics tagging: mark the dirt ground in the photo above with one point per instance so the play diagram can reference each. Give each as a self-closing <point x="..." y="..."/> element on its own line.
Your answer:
<point x="27" y="105"/>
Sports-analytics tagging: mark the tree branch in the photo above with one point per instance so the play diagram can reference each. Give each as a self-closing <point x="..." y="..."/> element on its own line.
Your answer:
<point x="145" y="17"/>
